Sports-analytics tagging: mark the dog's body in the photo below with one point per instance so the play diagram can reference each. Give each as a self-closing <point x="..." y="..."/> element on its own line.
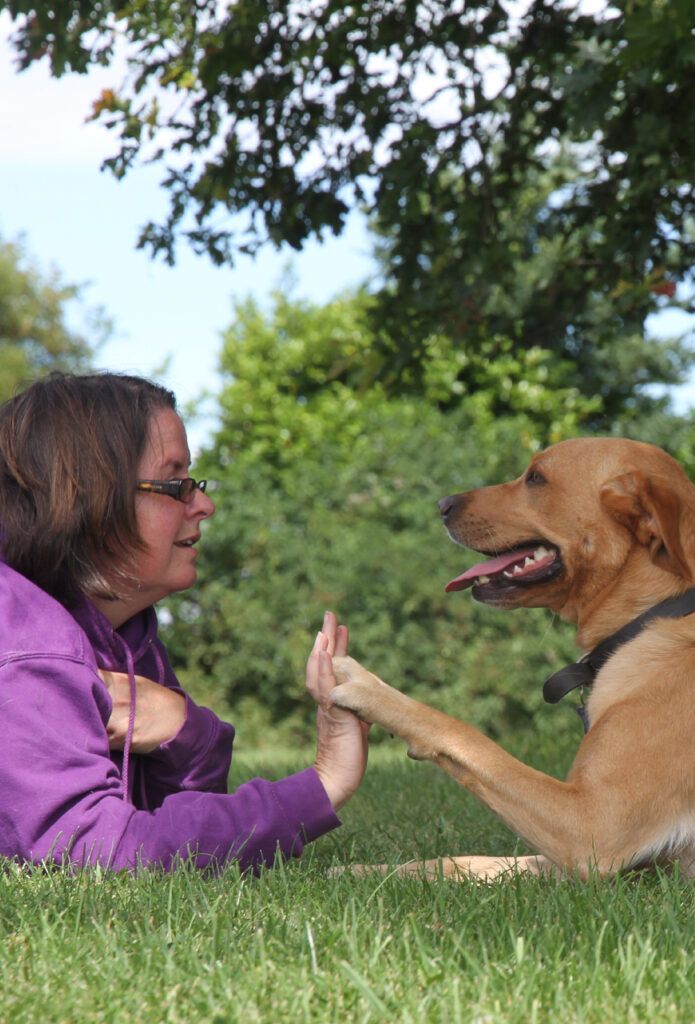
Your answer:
<point x="602" y="530"/>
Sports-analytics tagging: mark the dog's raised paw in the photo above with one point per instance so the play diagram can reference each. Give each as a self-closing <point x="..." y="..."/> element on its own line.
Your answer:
<point x="347" y="695"/>
<point x="347" y="670"/>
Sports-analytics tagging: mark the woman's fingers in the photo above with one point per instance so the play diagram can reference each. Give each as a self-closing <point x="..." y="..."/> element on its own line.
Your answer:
<point x="337" y="635"/>
<point x="341" y="642"/>
<point x="329" y="630"/>
<point x="312" y="665"/>
<point x="326" y="678"/>
<point x="331" y="640"/>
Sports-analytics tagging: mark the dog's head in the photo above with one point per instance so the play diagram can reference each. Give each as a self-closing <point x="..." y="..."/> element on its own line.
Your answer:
<point x="589" y="518"/>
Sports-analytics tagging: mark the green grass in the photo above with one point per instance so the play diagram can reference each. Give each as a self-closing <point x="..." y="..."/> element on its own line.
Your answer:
<point x="298" y="944"/>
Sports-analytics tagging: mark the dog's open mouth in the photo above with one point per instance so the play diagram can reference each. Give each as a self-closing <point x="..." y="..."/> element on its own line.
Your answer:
<point x="534" y="562"/>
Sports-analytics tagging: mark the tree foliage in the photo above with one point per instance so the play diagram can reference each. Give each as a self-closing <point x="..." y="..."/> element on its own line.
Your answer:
<point x="529" y="166"/>
<point x="35" y="335"/>
<point x="291" y="110"/>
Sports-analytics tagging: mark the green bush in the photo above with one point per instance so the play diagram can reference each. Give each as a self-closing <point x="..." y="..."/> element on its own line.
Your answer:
<point x="326" y="498"/>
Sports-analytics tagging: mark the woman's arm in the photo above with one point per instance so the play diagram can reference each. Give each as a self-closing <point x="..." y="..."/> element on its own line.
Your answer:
<point x="160" y="712"/>
<point x="187" y="747"/>
<point x="61" y="795"/>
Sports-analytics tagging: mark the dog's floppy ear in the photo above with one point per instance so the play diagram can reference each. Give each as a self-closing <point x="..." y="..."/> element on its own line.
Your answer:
<point x="651" y="510"/>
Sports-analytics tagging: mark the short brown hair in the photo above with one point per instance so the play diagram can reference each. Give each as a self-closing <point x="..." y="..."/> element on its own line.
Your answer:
<point x="70" y="446"/>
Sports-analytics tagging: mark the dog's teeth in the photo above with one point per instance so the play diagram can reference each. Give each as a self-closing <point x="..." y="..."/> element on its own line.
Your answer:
<point x="529" y="561"/>
<point x="483" y="579"/>
<point x="517" y="569"/>
<point x="540" y="553"/>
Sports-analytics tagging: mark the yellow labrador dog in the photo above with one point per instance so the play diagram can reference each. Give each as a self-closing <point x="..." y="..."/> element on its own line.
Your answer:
<point x="602" y="531"/>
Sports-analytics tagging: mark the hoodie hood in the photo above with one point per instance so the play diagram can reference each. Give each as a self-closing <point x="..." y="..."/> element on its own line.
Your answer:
<point x="110" y="645"/>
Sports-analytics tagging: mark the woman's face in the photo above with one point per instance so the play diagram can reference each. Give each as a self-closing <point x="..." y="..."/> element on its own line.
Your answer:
<point x="169" y="528"/>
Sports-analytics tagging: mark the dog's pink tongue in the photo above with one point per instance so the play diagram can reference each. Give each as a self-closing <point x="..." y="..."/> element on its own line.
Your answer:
<point x="488" y="568"/>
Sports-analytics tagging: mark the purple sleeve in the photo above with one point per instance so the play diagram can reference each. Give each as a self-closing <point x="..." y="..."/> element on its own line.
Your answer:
<point x="61" y="794"/>
<point x="197" y="758"/>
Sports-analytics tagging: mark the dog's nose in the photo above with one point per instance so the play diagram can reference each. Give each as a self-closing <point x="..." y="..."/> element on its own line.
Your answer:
<point x="445" y="506"/>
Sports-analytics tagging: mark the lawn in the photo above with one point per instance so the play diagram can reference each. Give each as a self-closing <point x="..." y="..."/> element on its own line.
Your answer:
<point x="300" y="944"/>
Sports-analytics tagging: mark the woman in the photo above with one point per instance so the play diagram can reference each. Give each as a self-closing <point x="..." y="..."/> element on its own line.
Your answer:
<point x="104" y="759"/>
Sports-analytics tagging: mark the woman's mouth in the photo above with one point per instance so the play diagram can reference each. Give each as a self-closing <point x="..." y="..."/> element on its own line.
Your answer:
<point x="188" y="543"/>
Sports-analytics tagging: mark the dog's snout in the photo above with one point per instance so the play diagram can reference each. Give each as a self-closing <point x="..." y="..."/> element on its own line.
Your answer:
<point x="451" y="504"/>
<point x="445" y="506"/>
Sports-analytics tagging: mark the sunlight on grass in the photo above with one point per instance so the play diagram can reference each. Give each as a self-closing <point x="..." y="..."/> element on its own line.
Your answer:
<point x="301" y="944"/>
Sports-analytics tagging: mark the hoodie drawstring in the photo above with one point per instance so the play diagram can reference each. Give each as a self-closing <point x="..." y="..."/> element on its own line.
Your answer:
<point x="131" y="724"/>
<point x="112" y="649"/>
<point x="130" y="664"/>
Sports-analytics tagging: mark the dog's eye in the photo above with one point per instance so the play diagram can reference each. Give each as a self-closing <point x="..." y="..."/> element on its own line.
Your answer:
<point x="534" y="478"/>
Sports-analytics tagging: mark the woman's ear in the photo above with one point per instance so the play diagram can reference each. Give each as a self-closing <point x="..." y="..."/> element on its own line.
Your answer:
<point x="651" y="509"/>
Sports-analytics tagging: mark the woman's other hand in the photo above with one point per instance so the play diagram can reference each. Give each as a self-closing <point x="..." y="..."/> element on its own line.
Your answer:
<point x="341" y="747"/>
<point x="159" y="712"/>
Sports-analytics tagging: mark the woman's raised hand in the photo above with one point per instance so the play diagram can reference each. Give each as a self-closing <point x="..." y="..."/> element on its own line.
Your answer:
<point x="341" y="747"/>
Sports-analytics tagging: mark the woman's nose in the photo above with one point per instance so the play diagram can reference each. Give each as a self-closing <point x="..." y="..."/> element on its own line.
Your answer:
<point x="202" y="506"/>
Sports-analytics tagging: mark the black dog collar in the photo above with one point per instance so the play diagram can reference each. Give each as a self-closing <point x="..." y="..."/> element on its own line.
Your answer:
<point x="584" y="671"/>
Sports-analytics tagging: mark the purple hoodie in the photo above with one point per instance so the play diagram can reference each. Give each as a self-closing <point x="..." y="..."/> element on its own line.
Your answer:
<point x="65" y="797"/>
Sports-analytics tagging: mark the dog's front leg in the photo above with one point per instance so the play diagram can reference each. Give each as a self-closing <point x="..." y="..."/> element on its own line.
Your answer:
<point x="431" y="735"/>
<point x="554" y="817"/>
<point x="482" y="868"/>
<point x="375" y="701"/>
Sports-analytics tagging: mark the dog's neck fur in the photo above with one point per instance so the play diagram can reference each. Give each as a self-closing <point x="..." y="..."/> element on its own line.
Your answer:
<point x="612" y="609"/>
<point x="616" y="602"/>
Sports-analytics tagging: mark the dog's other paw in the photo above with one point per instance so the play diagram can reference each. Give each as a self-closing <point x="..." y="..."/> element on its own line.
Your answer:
<point x="359" y="870"/>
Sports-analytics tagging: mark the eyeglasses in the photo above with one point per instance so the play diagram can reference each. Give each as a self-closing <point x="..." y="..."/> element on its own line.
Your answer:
<point x="180" y="490"/>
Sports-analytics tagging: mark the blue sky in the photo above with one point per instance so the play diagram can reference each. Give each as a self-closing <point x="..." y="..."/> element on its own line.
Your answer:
<point x="84" y="223"/>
